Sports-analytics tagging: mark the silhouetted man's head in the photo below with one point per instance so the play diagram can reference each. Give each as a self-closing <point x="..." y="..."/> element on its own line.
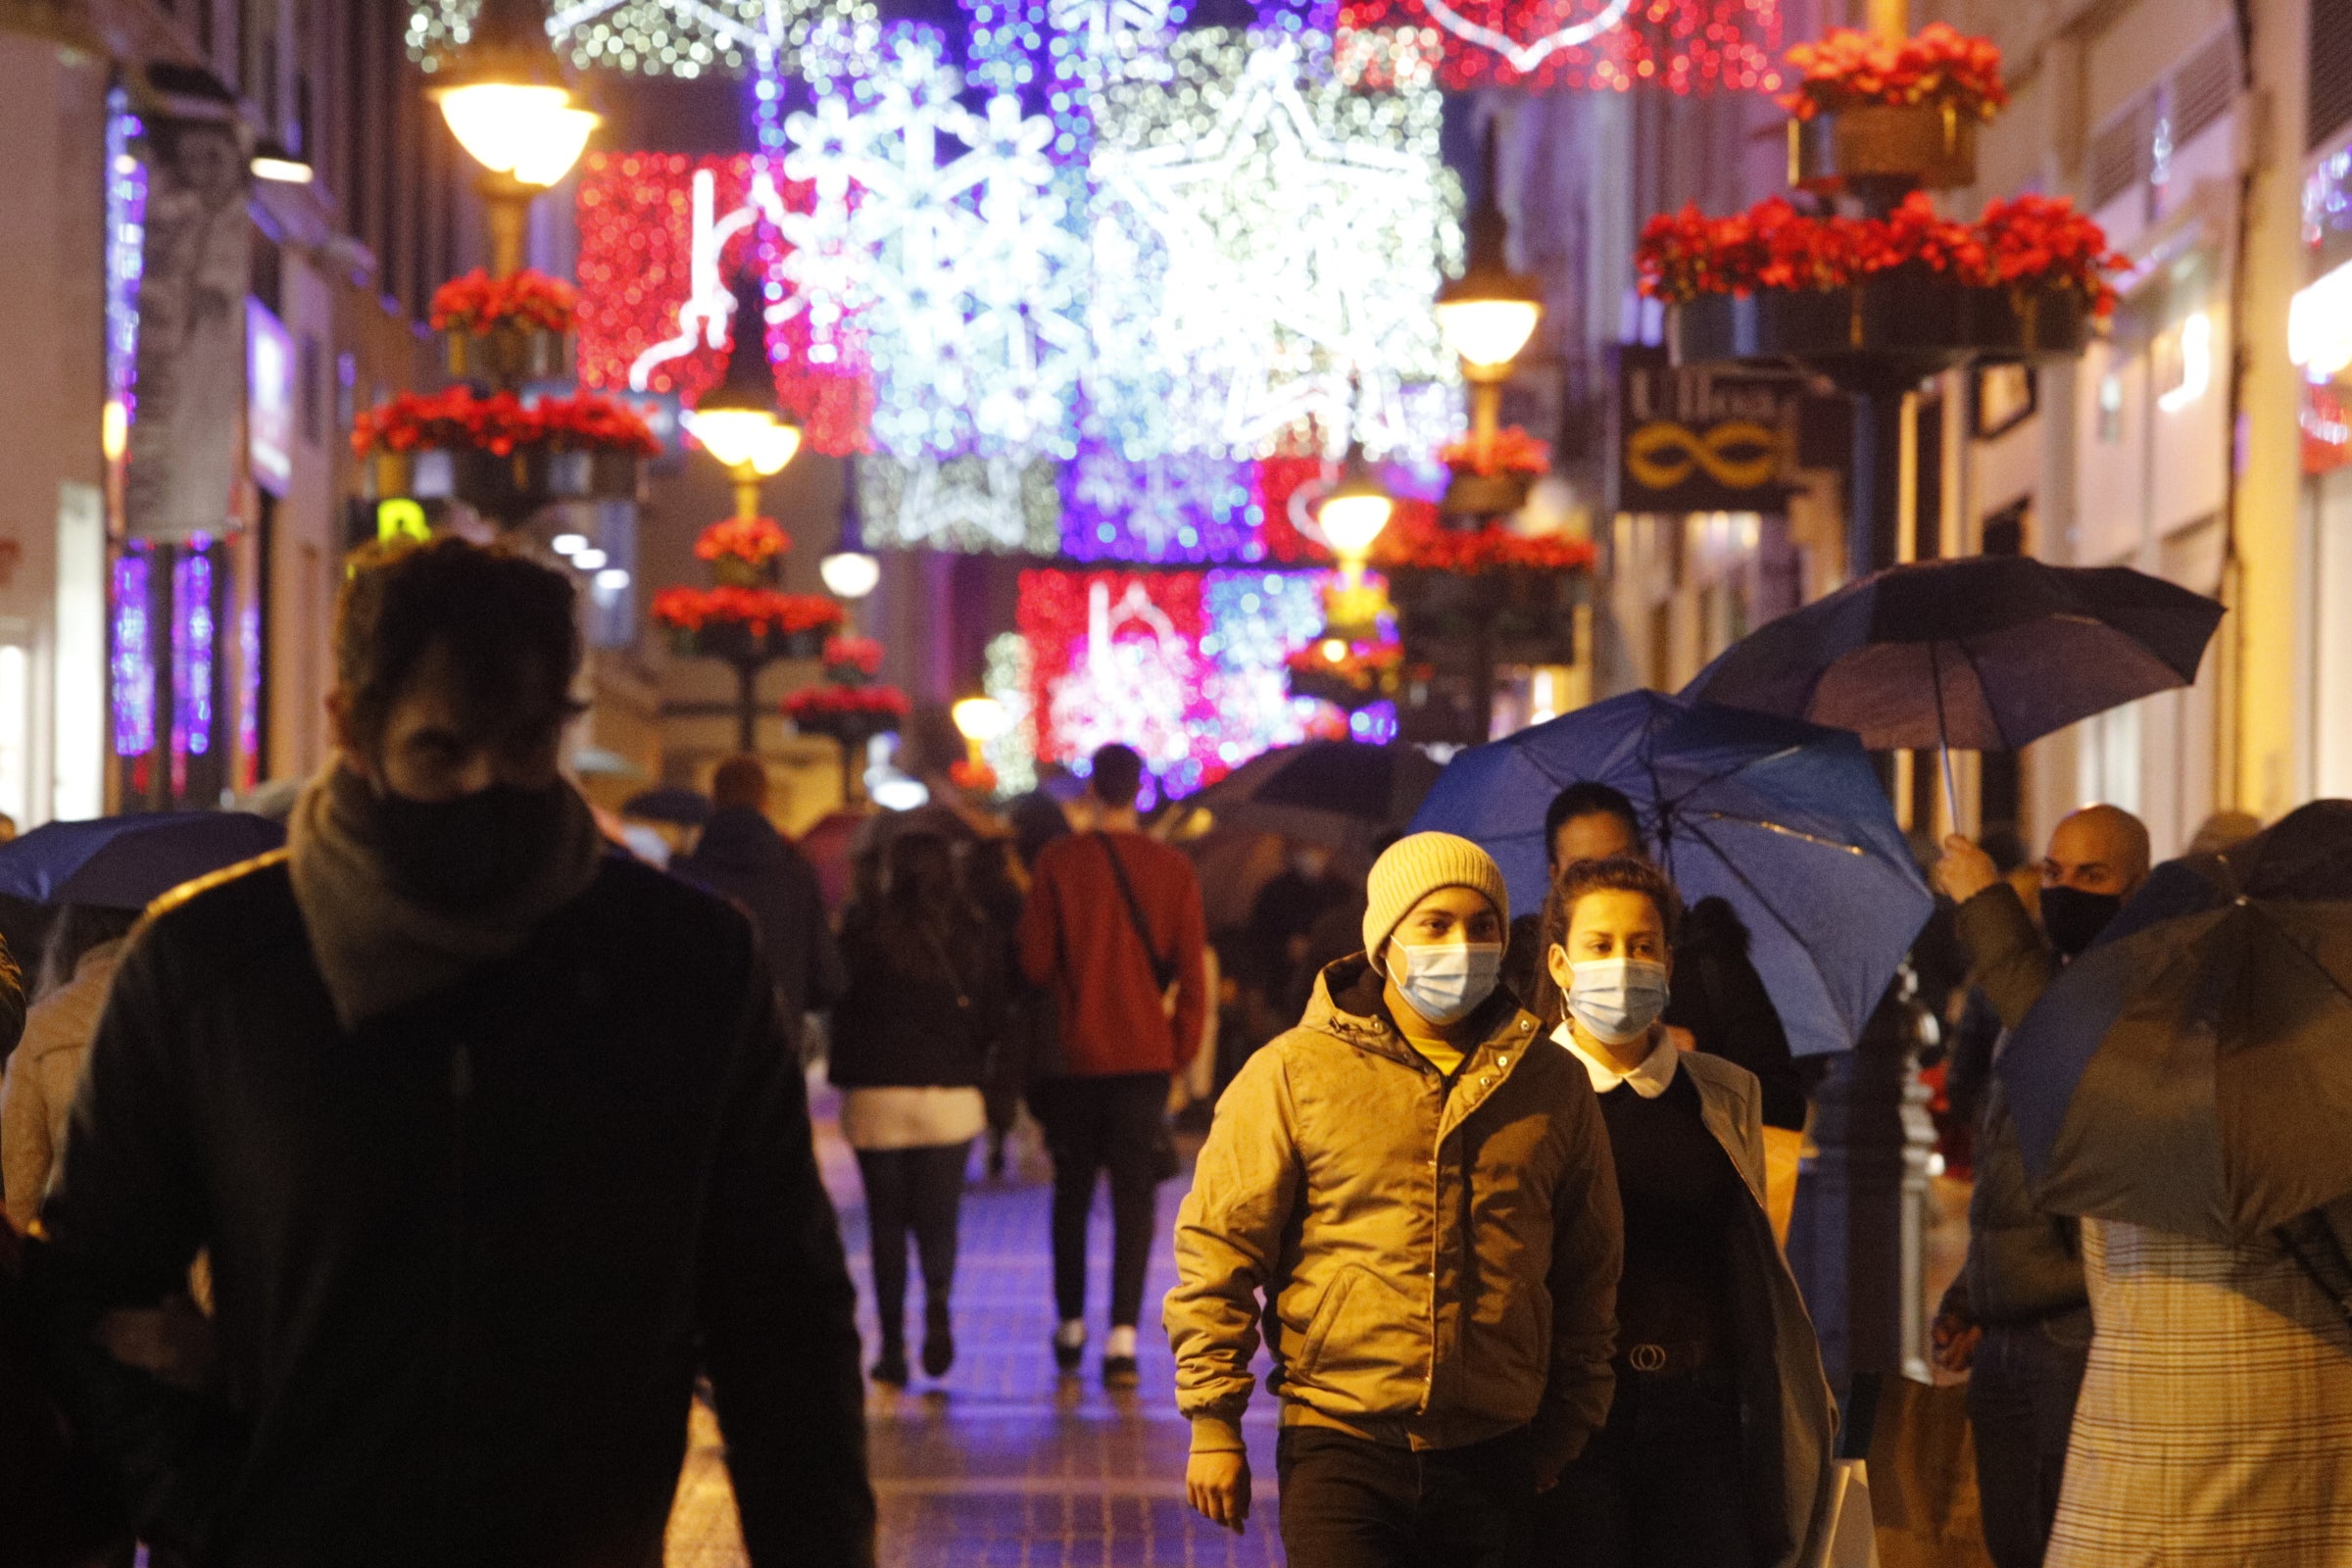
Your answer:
<point x="1591" y="821"/>
<point x="740" y="782"/>
<point x="1119" y="776"/>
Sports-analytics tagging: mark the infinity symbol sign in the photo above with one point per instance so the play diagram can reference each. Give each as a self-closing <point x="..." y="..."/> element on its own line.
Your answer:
<point x="1662" y="455"/>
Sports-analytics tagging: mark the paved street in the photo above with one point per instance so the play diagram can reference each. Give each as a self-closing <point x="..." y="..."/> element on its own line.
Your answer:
<point x="1002" y="1462"/>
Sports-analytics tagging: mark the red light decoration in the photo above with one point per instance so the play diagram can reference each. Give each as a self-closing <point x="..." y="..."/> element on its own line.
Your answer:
<point x="1114" y="656"/>
<point x="637" y="269"/>
<point x="1691" y="46"/>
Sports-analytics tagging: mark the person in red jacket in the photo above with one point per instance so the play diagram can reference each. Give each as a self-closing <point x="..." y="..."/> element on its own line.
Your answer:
<point x="1114" y="923"/>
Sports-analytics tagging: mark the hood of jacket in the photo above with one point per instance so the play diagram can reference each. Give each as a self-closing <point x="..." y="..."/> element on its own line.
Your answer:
<point x="1348" y="1005"/>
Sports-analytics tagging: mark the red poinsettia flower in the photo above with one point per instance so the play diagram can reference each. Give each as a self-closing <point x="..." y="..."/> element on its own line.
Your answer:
<point x="592" y="422"/>
<point x="1360" y="664"/>
<point x="500" y="423"/>
<point x="861" y="654"/>
<point x="478" y="303"/>
<point x="1513" y="451"/>
<point x="757" y="609"/>
<point x="844" y="702"/>
<point x="1492" y="548"/>
<point x="1850" y="68"/>
<point x="756" y="540"/>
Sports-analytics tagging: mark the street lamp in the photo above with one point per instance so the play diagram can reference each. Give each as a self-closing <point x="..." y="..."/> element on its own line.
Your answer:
<point x="980" y="720"/>
<point x="1488" y="313"/>
<point x="737" y="421"/>
<point x="507" y="103"/>
<point x="849" y="572"/>
<point x="1352" y="516"/>
<point x="273" y="161"/>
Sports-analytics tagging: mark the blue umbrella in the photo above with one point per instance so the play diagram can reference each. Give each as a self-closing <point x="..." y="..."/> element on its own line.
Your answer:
<point x="127" y="862"/>
<point x="1785" y="820"/>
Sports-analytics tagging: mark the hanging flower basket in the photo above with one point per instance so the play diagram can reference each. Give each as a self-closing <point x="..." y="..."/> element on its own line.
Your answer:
<point x="849" y="714"/>
<point x="1933" y="146"/>
<point x="509" y="356"/>
<point x="509" y="488"/>
<point x="1347" y="675"/>
<point x="1938" y="68"/>
<point x="1907" y="324"/>
<point x="744" y="551"/>
<point x="851" y="661"/>
<point x="1493" y="482"/>
<point x="503" y="455"/>
<point x="1526" y="616"/>
<point x="745" y="625"/>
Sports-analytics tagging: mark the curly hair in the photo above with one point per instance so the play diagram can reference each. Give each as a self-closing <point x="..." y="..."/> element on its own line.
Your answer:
<point x="1622" y="874"/>
<point x="507" y="621"/>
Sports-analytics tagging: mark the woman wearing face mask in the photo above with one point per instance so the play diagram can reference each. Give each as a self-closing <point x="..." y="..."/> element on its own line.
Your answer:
<point x="1411" y="1193"/>
<point x="1717" y="1449"/>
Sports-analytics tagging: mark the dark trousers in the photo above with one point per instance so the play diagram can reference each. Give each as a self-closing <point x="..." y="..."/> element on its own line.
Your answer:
<point x="1094" y="1125"/>
<point x="918" y="1190"/>
<point x="2021" y="1405"/>
<point x="1660" y="1486"/>
<point x="1351" y="1503"/>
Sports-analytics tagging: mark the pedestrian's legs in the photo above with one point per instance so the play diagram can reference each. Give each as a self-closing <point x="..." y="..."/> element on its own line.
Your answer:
<point x="1586" y="1520"/>
<point x="885" y="1173"/>
<point x="2020" y="1406"/>
<point x="1131" y="1134"/>
<point x="1346" y="1502"/>
<point x="1474" y="1505"/>
<point x="1685" y="1484"/>
<point x="1069" y="1109"/>
<point x="935" y="1195"/>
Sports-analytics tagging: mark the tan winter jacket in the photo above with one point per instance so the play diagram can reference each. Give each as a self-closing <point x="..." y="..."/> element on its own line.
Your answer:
<point x="42" y="1076"/>
<point x="1438" y="1265"/>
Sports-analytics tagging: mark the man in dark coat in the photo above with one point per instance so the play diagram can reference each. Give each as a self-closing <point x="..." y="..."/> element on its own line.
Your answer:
<point x="2018" y="1318"/>
<point x="1718" y="995"/>
<point x="742" y="856"/>
<point x="492" y="1140"/>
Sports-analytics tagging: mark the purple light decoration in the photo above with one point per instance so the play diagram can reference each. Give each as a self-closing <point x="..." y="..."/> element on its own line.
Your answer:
<point x="133" y="659"/>
<point x="191" y="658"/>
<point x="1173" y="508"/>
<point x="125" y="230"/>
<point x="1375" y="725"/>
<point x="249" y="693"/>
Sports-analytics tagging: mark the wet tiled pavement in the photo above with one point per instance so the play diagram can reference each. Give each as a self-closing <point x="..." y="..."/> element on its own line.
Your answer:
<point x="1003" y="1461"/>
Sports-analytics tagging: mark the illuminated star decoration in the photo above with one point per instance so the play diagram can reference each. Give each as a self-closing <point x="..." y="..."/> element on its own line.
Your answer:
<point x="1267" y="238"/>
<point x="1691" y="46"/>
<point x="941" y="239"/>
<point x="1001" y="504"/>
<point x="684" y="38"/>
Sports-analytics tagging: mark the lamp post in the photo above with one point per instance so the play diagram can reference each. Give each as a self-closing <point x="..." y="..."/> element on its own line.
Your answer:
<point x="506" y="101"/>
<point x="1486" y="315"/>
<point x="737" y="421"/>
<point x="847" y="571"/>
<point x="979" y="721"/>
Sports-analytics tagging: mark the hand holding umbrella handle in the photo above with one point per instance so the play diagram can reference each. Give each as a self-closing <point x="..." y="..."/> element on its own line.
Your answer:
<point x="1965" y="869"/>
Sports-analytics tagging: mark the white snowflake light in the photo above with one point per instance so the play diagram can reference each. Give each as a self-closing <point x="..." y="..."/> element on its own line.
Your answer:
<point x="1267" y="237"/>
<point x="1000" y="505"/>
<point x="942" y="241"/>
<point x="685" y="39"/>
<point x="1005" y="675"/>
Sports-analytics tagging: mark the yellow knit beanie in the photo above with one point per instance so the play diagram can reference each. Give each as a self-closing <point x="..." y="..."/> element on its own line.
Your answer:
<point x="1414" y="867"/>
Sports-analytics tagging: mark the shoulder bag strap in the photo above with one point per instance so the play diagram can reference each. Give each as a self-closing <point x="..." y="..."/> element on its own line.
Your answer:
<point x="1163" y="970"/>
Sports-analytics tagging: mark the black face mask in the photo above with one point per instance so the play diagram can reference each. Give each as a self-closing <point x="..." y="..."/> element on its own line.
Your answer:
<point x="2075" y="918"/>
<point x="473" y="853"/>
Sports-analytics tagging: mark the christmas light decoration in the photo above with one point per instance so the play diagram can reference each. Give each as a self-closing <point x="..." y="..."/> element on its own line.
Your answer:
<point x="685" y="39"/>
<point x="133" y="660"/>
<point x="1691" y="46"/>
<point x="1168" y="509"/>
<point x="1000" y="505"/>
<point x="943" y="240"/>
<point x="661" y="237"/>
<point x="1267" y="236"/>
<point x="1005" y="678"/>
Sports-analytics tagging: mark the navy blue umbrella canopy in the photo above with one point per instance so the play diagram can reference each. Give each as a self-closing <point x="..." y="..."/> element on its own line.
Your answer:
<point x="1785" y="820"/>
<point x="127" y="862"/>
<point x="1983" y="654"/>
<point x="2193" y="1070"/>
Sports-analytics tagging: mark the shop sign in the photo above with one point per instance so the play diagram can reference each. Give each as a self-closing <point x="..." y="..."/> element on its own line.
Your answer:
<point x="1697" y="440"/>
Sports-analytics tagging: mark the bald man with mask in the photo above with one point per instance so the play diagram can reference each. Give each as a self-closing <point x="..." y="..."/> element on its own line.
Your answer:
<point x="2018" y="1319"/>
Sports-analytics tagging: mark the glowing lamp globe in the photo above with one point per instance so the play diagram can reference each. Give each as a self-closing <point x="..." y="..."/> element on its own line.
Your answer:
<point x="850" y="573"/>
<point x="273" y="162"/>
<point x="1487" y="333"/>
<point x="532" y="132"/>
<point x="980" y="720"/>
<point x="744" y="438"/>
<point x="1353" y="515"/>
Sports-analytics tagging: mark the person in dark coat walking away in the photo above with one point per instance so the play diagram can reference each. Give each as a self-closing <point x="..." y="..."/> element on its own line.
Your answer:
<point x="1719" y="999"/>
<point x="492" y="1138"/>
<point x="910" y="1039"/>
<point x="1114" y="924"/>
<point x="741" y="856"/>
<point x="1717" y="1452"/>
<point x="2018" y="1319"/>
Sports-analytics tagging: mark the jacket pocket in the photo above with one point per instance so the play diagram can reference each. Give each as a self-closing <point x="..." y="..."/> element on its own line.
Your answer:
<point x="1363" y="1326"/>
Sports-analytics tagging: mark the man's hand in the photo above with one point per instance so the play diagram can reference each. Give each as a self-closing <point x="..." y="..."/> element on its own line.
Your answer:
<point x="1954" y="1339"/>
<point x="1219" y="1485"/>
<point x="1965" y="870"/>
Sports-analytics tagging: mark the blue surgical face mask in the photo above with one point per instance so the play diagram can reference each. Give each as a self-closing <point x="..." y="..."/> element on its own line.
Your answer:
<point x="1617" y="999"/>
<point x="1446" y="981"/>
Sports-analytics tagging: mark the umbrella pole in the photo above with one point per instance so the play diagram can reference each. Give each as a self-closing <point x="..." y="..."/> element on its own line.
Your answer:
<point x="1943" y="743"/>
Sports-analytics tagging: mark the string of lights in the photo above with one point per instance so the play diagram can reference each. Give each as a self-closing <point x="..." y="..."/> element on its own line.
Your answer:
<point x="684" y="38"/>
<point x="1689" y="46"/>
<point x="998" y="505"/>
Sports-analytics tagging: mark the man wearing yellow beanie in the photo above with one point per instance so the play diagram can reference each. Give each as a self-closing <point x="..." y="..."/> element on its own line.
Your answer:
<point x="1419" y="1205"/>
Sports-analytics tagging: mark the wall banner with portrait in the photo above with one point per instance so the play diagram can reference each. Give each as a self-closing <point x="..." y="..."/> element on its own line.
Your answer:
<point x="195" y="270"/>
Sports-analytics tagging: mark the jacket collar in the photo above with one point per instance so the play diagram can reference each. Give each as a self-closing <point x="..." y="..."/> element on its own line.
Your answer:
<point x="1347" y="1005"/>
